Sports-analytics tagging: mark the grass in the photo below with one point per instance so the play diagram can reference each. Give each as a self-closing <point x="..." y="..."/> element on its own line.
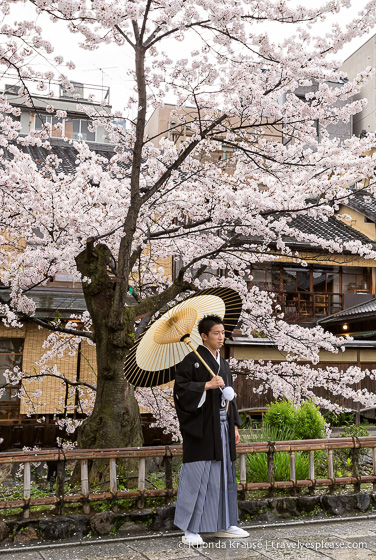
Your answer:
<point x="257" y="463"/>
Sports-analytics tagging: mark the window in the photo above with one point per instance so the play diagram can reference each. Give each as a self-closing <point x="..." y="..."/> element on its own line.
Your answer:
<point x="10" y="356"/>
<point x="227" y="152"/>
<point x="356" y="280"/>
<point x="76" y="129"/>
<point x="42" y="120"/>
<point x="65" y="279"/>
<point x="296" y="279"/>
<point x="266" y="276"/>
<point x="62" y="277"/>
<point x="326" y="279"/>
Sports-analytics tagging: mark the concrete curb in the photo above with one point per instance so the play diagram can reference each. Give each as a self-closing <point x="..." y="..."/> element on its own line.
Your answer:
<point x="169" y="534"/>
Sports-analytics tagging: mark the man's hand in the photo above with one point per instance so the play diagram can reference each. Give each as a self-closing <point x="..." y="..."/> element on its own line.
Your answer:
<point x="237" y="436"/>
<point x="214" y="383"/>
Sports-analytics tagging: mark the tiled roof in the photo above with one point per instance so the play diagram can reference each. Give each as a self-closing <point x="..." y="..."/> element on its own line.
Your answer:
<point x="329" y="230"/>
<point x="64" y="151"/>
<point x="52" y="301"/>
<point x="360" y="311"/>
<point x="363" y="202"/>
<point x="332" y="229"/>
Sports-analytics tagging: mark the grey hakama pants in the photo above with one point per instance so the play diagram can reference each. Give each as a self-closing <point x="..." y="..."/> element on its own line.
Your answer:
<point x="207" y="499"/>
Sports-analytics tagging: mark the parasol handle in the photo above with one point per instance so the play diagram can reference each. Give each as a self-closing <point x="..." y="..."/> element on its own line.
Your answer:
<point x="188" y="342"/>
<point x="185" y="338"/>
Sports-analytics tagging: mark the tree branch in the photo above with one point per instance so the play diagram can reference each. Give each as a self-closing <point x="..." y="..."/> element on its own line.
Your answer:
<point x="53" y="328"/>
<point x="181" y="158"/>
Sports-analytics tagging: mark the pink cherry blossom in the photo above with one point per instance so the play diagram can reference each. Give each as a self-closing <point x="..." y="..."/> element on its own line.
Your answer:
<point x="175" y="196"/>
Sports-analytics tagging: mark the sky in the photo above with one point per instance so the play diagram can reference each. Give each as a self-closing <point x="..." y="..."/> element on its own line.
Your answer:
<point x="107" y="66"/>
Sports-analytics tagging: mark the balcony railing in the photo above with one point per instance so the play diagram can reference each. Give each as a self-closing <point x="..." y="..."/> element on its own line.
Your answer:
<point x="310" y="303"/>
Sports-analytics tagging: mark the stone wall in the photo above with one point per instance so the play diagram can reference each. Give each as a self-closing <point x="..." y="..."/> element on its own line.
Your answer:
<point x="143" y="521"/>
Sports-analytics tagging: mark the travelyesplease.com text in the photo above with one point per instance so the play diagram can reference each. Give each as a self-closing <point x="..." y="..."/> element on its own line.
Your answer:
<point x="281" y="545"/>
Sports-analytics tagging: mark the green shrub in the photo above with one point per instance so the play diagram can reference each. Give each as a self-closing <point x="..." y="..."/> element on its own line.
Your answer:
<point x="354" y="431"/>
<point x="338" y="419"/>
<point x="310" y="422"/>
<point x="304" y="422"/>
<point x="281" y="415"/>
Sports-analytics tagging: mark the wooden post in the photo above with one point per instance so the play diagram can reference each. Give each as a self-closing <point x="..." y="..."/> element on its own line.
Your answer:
<point x="292" y="471"/>
<point x="113" y="476"/>
<point x="141" y="480"/>
<point x="113" y="485"/>
<point x="311" y="470"/>
<point x="331" y="470"/>
<point x="311" y="465"/>
<point x="243" y="470"/>
<point x="27" y="490"/>
<point x="243" y="473"/>
<point x="374" y="467"/>
<point x="85" y="485"/>
<point x="168" y="477"/>
<point x="271" y="477"/>
<point x="355" y="465"/>
<point x="60" y="480"/>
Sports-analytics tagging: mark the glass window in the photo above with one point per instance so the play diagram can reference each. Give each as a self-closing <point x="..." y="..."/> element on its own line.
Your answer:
<point x="41" y="120"/>
<point x="326" y="279"/>
<point x="78" y="129"/>
<point x="62" y="277"/>
<point x="227" y="152"/>
<point x="356" y="279"/>
<point x="86" y="133"/>
<point x="266" y="276"/>
<point x="296" y="279"/>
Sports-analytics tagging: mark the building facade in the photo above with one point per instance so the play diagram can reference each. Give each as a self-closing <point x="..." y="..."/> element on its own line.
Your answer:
<point x="362" y="58"/>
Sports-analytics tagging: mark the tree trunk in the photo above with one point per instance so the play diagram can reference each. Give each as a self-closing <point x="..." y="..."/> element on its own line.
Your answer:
<point x="115" y="420"/>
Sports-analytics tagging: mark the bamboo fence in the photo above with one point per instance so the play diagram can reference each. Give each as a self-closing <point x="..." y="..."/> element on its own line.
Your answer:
<point x="168" y="452"/>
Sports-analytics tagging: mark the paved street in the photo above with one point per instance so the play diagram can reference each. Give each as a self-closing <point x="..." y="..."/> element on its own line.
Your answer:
<point x="350" y="539"/>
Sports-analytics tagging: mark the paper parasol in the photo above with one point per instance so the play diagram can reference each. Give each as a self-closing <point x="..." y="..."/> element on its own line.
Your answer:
<point x="153" y="359"/>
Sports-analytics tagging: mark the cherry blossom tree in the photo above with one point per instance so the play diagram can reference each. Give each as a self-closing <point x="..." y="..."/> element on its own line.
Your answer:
<point x="112" y="221"/>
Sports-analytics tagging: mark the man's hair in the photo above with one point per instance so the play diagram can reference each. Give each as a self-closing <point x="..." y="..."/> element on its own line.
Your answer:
<point x="206" y="323"/>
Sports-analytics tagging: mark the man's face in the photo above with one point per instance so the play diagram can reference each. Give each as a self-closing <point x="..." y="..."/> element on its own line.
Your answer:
<point x="216" y="337"/>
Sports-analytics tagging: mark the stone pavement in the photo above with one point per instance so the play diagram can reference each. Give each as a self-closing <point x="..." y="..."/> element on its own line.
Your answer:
<point x="348" y="539"/>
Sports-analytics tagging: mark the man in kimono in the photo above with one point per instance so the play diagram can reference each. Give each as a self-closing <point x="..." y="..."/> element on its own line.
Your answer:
<point x="207" y="495"/>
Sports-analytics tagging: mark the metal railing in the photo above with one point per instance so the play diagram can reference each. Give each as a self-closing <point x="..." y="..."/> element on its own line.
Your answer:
<point x="85" y="496"/>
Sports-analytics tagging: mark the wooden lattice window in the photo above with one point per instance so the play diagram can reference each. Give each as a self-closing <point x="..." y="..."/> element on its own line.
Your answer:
<point x="10" y="356"/>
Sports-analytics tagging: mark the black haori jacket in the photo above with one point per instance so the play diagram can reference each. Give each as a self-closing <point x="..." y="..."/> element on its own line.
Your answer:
<point x="200" y="427"/>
